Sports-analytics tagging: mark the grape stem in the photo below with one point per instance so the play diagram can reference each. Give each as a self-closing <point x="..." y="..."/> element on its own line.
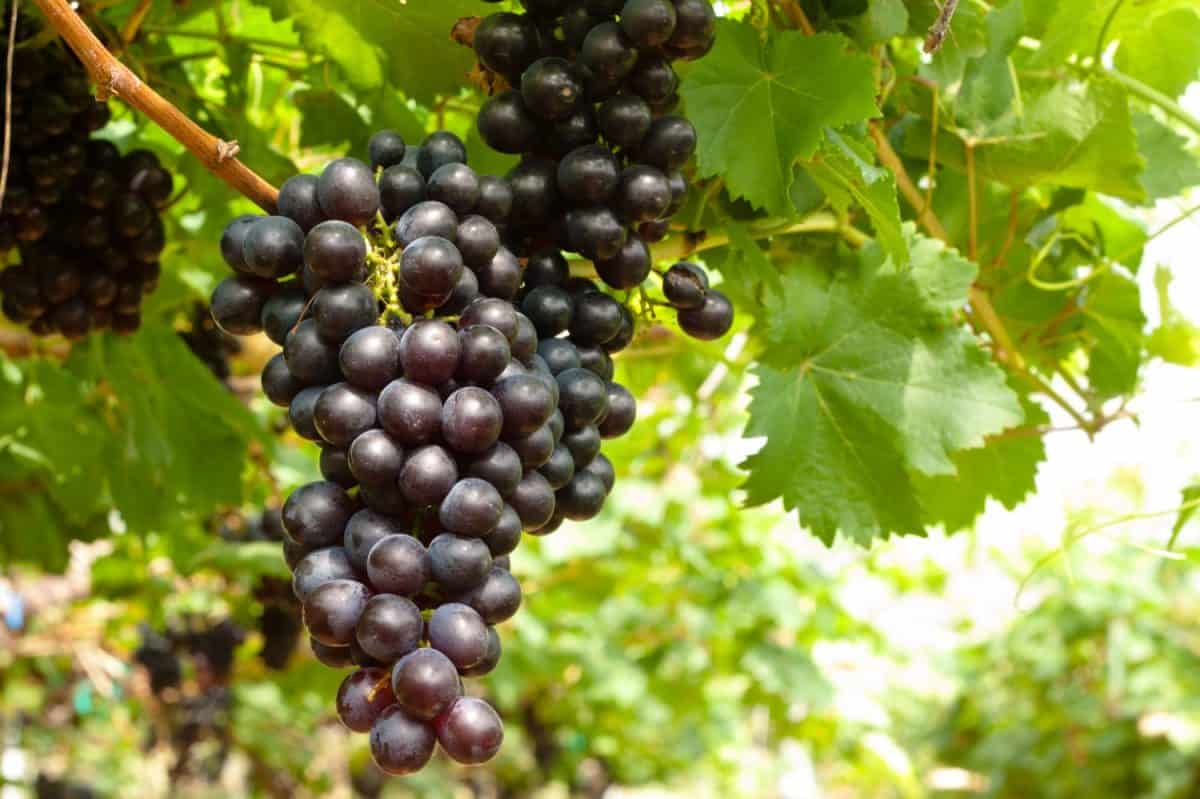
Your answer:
<point x="12" y="45"/>
<point x="115" y="79"/>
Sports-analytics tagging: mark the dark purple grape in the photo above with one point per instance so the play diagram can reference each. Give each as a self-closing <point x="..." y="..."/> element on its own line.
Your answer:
<point x="440" y="148"/>
<point x="711" y="320"/>
<point x="602" y="467"/>
<point x="398" y="564"/>
<point x="375" y="457"/>
<point x="497" y="598"/>
<point x="389" y="628"/>
<point x="484" y="354"/>
<point x="490" y="311"/>
<point x="309" y="357"/>
<point x="282" y="312"/>
<point x="335" y="467"/>
<point x="458" y="632"/>
<point x="654" y="80"/>
<point x="400" y="188"/>
<point x="491" y="659"/>
<point x="370" y="357"/>
<point x="471" y="509"/>
<point x="583" y="397"/>
<point x="471" y="420"/>
<point x="583" y="497"/>
<point x="501" y="276"/>
<point x="346" y="190"/>
<point x="319" y="567"/>
<point x="506" y="535"/>
<point x="478" y="241"/>
<point x="695" y="29"/>
<point x="335" y="657"/>
<point x="500" y="465"/>
<point x="629" y="267"/>
<point x="298" y="201"/>
<point x="277" y="381"/>
<point x="470" y="731"/>
<point x="456" y="185"/>
<point x="428" y="475"/>
<point x="335" y="251"/>
<point x="596" y="318"/>
<point x="534" y="192"/>
<point x="622" y="412"/>
<point x="232" y="238"/>
<point x="684" y="285"/>
<point x="596" y="360"/>
<point x="648" y="23"/>
<point x="495" y="199"/>
<point x="411" y="412"/>
<point x="607" y="52"/>
<point x="362" y="697"/>
<point x="525" y="402"/>
<point x="302" y="412"/>
<point x="332" y="610"/>
<point x="559" y="469"/>
<point x="584" y="444"/>
<point x="534" y="449"/>
<point x="401" y="744"/>
<point x="430" y="350"/>
<point x="533" y="501"/>
<point x="316" y="514"/>
<point x="237" y="303"/>
<point x="506" y="125"/>
<point x="595" y="233"/>
<point x="551" y="88"/>
<point x="507" y="43"/>
<point x="425" y="683"/>
<point x="458" y="563"/>
<point x="341" y="310"/>
<point x="431" y="266"/>
<point x="668" y="144"/>
<point x="385" y="149"/>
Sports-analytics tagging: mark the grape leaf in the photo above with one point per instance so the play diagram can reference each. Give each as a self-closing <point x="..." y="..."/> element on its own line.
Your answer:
<point x="1113" y="316"/>
<point x="1170" y="166"/>
<point x="1073" y="27"/>
<point x="865" y="381"/>
<point x="1187" y="509"/>
<point x="989" y="87"/>
<point x="1163" y="52"/>
<point x="883" y="20"/>
<point x="846" y="173"/>
<point x="328" y="120"/>
<point x="1075" y="134"/>
<point x="1176" y="340"/>
<point x="760" y="106"/>
<point x="375" y="42"/>
<point x="1004" y="469"/>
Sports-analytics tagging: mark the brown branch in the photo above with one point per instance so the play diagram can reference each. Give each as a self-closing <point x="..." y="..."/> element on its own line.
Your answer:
<point x="112" y="78"/>
<point x="797" y="17"/>
<point x="134" y="22"/>
<point x="940" y="27"/>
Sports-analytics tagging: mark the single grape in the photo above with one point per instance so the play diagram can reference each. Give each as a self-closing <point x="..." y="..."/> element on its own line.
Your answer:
<point x="534" y="192"/>
<point x="319" y="567"/>
<point x="335" y="467"/>
<point x="495" y="199"/>
<point x="584" y="444"/>
<point x="551" y="88"/>
<point x="621" y="414"/>
<point x="456" y="185"/>
<point x="411" y="412"/>
<point x="389" y="628"/>
<point x="478" y="241"/>
<point x="425" y="683"/>
<point x="471" y="420"/>
<point x="493" y="312"/>
<point x="471" y="509"/>
<point x="335" y="657"/>
<point x="385" y="149"/>
<point x="440" y="148"/>
<point x="431" y="265"/>
<point x="341" y="310"/>
<point x="401" y="744"/>
<point x="310" y="359"/>
<point x="497" y="598"/>
<point x="491" y="659"/>
<point x="374" y="457"/>
<point x="398" y="564"/>
<point x="484" y="354"/>
<point x="588" y="175"/>
<point x="506" y="125"/>
<point x="695" y="28"/>
<point x="645" y="193"/>
<point x="525" y="402"/>
<point x="400" y="188"/>
<point x="427" y="218"/>
<point x="583" y="397"/>
<point x="607" y="52"/>
<point x="507" y="43"/>
<point x="428" y="475"/>
<point x="668" y="144"/>
<point x="602" y="467"/>
<point x="430" y="350"/>
<point x="237" y="303"/>
<point x="232" y="238"/>
<point x="458" y="632"/>
<point x="298" y="201"/>
<point x="470" y="731"/>
<point x="654" y="80"/>
<point x="711" y="320"/>
<point x="559" y="354"/>
<point x="500" y="465"/>
<point x="596" y="318"/>
<point x="362" y="697"/>
<point x="684" y="285"/>
<point x="559" y="469"/>
<point x="316" y="514"/>
<point x="582" y="497"/>
<point x="648" y="23"/>
<point x="501" y="276"/>
<point x="282" y="312"/>
<point x="620" y="341"/>
<point x="578" y="129"/>
<point x="533" y="500"/>
<point x="278" y="383"/>
<point x="335" y="251"/>
<point x="629" y="267"/>
<point x="332" y="610"/>
<point x="346" y="190"/>
<point x="595" y="233"/>
<point x="370" y="357"/>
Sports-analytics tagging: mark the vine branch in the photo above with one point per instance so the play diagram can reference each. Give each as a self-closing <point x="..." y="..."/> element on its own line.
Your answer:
<point x="113" y="78"/>
<point x="940" y="27"/>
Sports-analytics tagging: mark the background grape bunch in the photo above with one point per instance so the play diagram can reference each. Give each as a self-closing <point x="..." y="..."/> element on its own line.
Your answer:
<point x="460" y="395"/>
<point x="83" y="220"/>
<point x="584" y="93"/>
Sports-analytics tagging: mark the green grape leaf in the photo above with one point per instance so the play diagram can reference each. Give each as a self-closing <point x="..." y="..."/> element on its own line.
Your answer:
<point x="173" y="429"/>
<point x="1005" y="469"/>
<point x="328" y="120"/>
<point x="1078" y="135"/>
<point x="1187" y="509"/>
<point x="253" y="559"/>
<point x="1117" y="236"/>
<point x="1176" y="340"/>
<point x="1170" y="166"/>
<point x="989" y="86"/>
<point x="375" y="42"/>
<point x="1163" y="52"/>
<point x="864" y="381"/>
<point x="884" y="20"/>
<point x="1113" y="316"/>
<point x="760" y="106"/>
<point x="846" y="172"/>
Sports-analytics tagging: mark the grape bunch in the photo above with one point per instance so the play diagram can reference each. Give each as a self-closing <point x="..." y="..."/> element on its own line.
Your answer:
<point x="83" y="219"/>
<point x="591" y="87"/>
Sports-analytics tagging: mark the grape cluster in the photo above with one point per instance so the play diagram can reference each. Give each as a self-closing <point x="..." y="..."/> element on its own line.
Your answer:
<point x="592" y="86"/>
<point x="47" y="787"/>
<point x="459" y="395"/>
<point x="84" y="219"/>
